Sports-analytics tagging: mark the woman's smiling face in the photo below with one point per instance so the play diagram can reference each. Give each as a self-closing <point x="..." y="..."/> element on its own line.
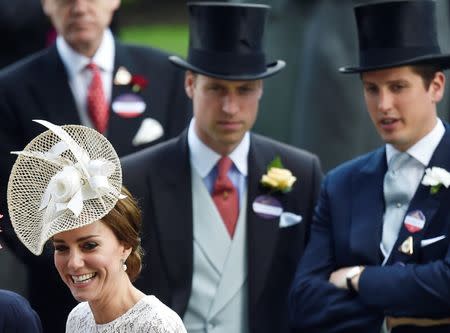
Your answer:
<point x="89" y="260"/>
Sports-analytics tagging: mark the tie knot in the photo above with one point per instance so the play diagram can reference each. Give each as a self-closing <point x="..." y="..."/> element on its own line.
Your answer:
<point x="92" y="67"/>
<point x="223" y="166"/>
<point x="398" y="161"/>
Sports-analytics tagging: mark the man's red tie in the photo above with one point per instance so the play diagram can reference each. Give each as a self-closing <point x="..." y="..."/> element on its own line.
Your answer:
<point x="96" y="100"/>
<point x="225" y="195"/>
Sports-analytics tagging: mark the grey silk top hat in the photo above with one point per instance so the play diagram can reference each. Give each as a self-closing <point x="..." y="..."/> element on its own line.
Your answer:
<point x="226" y="41"/>
<point x="397" y="33"/>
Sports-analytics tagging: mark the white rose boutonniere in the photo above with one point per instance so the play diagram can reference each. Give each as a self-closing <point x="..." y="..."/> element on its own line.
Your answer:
<point x="436" y="177"/>
<point x="277" y="177"/>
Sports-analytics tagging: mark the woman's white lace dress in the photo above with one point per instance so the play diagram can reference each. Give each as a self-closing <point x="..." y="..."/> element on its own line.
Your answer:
<point x="149" y="315"/>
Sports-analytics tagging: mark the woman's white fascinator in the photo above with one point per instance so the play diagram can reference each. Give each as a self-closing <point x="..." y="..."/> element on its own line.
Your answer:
<point x="65" y="178"/>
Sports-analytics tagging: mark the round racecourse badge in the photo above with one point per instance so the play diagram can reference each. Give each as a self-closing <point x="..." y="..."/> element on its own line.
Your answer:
<point x="414" y="221"/>
<point x="128" y="105"/>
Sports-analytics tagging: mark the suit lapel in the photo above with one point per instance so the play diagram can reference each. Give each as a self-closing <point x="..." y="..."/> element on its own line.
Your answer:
<point x="56" y="101"/>
<point x="425" y="202"/>
<point x="172" y="194"/>
<point x="368" y="208"/>
<point x="123" y="129"/>
<point x="262" y="234"/>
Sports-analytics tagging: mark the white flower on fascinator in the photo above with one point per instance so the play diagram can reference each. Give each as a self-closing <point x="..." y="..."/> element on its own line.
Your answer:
<point x="65" y="178"/>
<point x="69" y="187"/>
<point x="63" y="187"/>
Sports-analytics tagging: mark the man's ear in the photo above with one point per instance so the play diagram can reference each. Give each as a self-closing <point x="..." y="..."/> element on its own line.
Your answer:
<point x="437" y="87"/>
<point x="189" y="83"/>
<point x="115" y="4"/>
<point x="46" y="7"/>
<point x="261" y="91"/>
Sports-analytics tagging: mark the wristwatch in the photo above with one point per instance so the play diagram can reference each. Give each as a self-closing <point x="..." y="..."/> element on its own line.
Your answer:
<point x="354" y="271"/>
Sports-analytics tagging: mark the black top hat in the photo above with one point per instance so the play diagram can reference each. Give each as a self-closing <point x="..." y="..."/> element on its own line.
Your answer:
<point x="397" y="33"/>
<point x="226" y="41"/>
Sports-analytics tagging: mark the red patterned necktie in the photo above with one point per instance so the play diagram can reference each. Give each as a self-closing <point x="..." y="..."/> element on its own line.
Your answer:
<point x="225" y="195"/>
<point x="96" y="101"/>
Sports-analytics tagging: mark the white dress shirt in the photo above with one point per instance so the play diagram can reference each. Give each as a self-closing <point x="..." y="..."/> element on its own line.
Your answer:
<point x="204" y="160"/>
<point x="421" y="151"/>
<point x="80" y="77"/>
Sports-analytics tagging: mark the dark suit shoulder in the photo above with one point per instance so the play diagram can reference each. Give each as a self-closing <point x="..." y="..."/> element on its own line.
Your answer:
<point x="154" y="160"/>
<point x="276" y="148"/>
<point x="154" y="154"/>
<point x="348" y="168"/>
<point x="144" y="50"/>
<point x="25" y="67"/>
<point x="16" y="314"/>
<point x="164" y="158"/>
<point x="146" y="55"/>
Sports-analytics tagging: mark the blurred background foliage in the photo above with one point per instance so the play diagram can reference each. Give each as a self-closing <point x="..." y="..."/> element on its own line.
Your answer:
<point x="161" y="24"/>
<point x="172" y="38"/>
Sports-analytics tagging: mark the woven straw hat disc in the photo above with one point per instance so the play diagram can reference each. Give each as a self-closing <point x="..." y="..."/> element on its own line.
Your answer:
<point x="30" y="177"/>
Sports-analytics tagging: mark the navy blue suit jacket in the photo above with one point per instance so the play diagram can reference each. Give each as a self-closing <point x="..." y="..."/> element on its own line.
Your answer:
<point x="16" y="314"/>
<point x="347" y="230"/>
<point x="38" y="88"/>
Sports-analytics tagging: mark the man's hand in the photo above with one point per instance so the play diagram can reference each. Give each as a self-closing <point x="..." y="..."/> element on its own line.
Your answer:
<point x="339" y="278"/>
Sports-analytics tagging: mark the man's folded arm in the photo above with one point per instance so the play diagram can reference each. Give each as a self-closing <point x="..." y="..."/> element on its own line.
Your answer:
<point x="315" y="305"/>
<point x="414" y="290"/>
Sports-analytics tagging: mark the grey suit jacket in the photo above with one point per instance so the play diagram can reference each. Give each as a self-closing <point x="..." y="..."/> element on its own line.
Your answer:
<point x="160" y="178"/>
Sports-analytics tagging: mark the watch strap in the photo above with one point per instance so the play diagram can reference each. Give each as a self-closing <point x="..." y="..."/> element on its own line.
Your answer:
<point x="350" y="286"/>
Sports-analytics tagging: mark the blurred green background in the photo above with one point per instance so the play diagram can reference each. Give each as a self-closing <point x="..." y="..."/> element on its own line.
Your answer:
<point x="161" y="24"/>
<point x="172" y="38"/>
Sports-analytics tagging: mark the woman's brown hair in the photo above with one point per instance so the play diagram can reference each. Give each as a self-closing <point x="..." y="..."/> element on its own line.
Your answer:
<point x="125" y="220"/>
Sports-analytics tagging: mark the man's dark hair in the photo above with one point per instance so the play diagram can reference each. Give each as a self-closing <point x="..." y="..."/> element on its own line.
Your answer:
<point x="427" y="72"/>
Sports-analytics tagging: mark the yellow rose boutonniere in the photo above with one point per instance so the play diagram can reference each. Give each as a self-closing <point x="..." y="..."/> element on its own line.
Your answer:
<point x="277" y="177"/>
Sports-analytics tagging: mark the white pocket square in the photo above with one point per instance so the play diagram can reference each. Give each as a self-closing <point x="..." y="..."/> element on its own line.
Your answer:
<point x="288" y="219"/>
<point x="429" y="241"/>
<point x="149" y="131"/>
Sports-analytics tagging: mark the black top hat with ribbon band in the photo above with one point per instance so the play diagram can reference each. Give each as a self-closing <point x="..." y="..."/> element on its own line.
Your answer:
<point x="226" y="41"/>
<point x="397" y="33"/>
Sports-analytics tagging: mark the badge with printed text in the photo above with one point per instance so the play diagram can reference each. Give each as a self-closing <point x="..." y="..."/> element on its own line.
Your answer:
<point x="267" y="207"/>
<point x="414" y="221"/>
<point x="128" y="105"/>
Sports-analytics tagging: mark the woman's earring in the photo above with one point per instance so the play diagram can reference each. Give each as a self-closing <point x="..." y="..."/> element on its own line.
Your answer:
<point x="124" y="265"/>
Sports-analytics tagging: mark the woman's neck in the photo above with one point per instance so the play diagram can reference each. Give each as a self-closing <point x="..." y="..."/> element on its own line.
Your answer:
<point x="116" y="303"/>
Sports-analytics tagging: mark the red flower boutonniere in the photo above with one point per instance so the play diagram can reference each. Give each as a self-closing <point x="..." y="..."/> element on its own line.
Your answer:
<point x="138" y="83"/>
<point x="124" y="78"/>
